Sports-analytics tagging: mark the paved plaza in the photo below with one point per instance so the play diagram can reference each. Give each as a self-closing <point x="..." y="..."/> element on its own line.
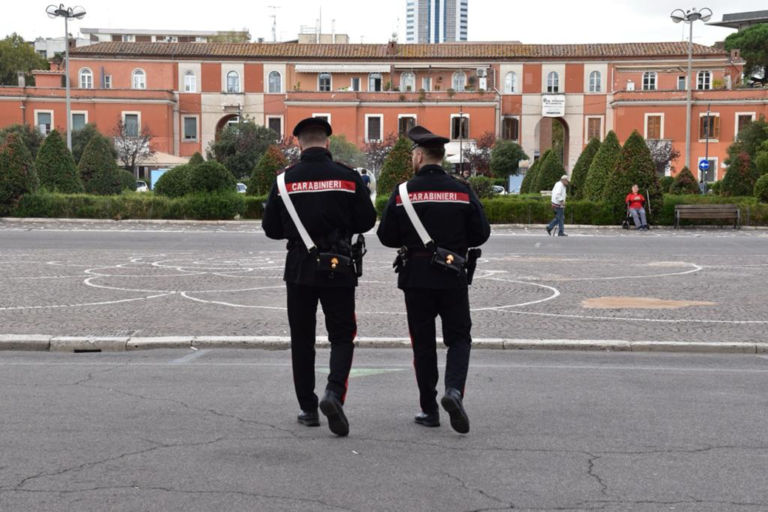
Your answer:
<point x="70" y="279"/>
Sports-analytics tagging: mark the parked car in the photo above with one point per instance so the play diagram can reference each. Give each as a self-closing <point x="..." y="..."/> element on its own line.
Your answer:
<point x="499" y="190"/>
<point x="242" y="188"/>
<point x="141" y="186"/>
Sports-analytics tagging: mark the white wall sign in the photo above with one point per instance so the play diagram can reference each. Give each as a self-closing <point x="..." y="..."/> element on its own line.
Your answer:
<point x="553" y="105"/>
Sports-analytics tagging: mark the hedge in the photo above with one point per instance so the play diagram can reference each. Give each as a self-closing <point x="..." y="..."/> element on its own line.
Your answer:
<point x="499" y="210"/>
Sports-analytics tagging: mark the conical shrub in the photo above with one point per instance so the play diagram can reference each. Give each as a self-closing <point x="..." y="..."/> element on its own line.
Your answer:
<point x="196" y="159"/>
<point x="634" y="166"/>
<point x="17" y="172"/>
<point x="684" y="184"/>
<point x="551" y="172"/>
<point x="581" y="169"/>
<point x="56" y="168"/>
<point x="397" y="168"/>
<point x="740" y="178"/>
<point x="531" y="175"/>
<point x="265" y="173"/>
<point x="602" y="167"/>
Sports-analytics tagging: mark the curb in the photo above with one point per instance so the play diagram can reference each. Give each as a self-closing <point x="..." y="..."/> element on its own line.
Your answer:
<point x="257" y="223"/>
<point x="41" y="343"/>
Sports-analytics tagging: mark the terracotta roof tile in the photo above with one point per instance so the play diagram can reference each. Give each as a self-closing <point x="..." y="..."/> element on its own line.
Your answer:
<point x="498" y="51"/>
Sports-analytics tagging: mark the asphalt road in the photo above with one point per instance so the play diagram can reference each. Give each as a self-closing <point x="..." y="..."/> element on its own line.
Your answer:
<point x="215" y="430"/>
<point x="194" y="280"/>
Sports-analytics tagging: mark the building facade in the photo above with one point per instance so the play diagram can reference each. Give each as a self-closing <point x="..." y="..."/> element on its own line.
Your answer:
<point x="187" y="93"/>
<point x="437" y="21"/>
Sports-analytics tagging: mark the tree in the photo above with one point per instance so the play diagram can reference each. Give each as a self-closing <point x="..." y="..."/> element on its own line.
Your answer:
<point x="56" y="168"/>
<point x="212" y="177"/>
<point x="505" y="158"/>
<point x="551" y="172"/>
<point x="581" y="169"/>
<point x="81" y="138"/>
<point x="17" y="173"/>
<point x="664" y="154"/>
<point x="376" y="152"/>
<point x="98" y="168"/>
<point x="346" y="152"/>
<point x="240" y="146"/>
<point x="634" y="166"/>
<point x="233" y="36"/>
<point x="479" y="157"/>
<point x="133" y="148"/>
<point x="396" y="169"/>
<point x="266" y="170"/>
<point x="685" y="183"/>
<point x="602" y="167"/>
<point x="482" y="186"/>
<point x="16" y="55"/>
<point x="290" y="150"/>
<point x="761" y="162"/>
<point x="196" y="159"/>
<point x="753" y="43"/>
<point x="740" y="178"/>
<point x="30" y="135"/>
<point x="750" y="139"/>
<point x="761" y="189"/>
<point x="530" y="178"/>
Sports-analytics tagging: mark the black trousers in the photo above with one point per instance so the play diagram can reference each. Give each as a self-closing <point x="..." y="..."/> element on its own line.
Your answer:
<point x="452" y="306"/>
<point x="339" y="309"/>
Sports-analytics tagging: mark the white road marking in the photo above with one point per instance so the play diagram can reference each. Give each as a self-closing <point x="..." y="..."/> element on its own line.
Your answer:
<point x="189" y="357"/>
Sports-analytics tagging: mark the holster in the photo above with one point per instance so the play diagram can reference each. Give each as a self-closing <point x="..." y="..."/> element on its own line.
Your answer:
<point x="471" y="265"/>
<point x="448" y="260"/>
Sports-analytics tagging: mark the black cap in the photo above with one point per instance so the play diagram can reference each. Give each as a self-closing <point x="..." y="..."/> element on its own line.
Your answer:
<point x="313" y="122"/>
<point x="424" y="138"/>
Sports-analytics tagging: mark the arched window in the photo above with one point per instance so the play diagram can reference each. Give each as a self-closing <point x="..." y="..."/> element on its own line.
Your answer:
<point x="375" y="82"/>
<point x="139" y="79"/>
<point x="649" y="81"/>
<point x="408" y="82"/>
<point x="190" y="82"/>
<point x="275" y="82"/>
<point x="704" y="81"/>
<point x="510" y="83"/>
<point x="459" y="81"/>
<point x="553" y="82"/>
<point x="595" y="81"/>
<point x="233" y="82"/>
<point x="324" y="82"/>
<point x="86" y="78"/>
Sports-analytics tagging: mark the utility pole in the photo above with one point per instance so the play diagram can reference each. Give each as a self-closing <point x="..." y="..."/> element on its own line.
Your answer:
<point x="706" y="135"/>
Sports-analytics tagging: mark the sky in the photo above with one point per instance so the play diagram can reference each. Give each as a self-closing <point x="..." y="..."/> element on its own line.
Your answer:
<point x="550" y="22"/>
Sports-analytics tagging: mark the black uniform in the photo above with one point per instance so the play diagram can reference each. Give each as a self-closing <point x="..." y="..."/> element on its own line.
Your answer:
<point x="333" y="204"/>
<point x="455" y="220"/>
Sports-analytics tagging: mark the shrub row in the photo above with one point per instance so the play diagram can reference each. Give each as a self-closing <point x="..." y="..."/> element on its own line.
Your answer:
<point x="499" y="210"/>
<point x="145" y="206"/>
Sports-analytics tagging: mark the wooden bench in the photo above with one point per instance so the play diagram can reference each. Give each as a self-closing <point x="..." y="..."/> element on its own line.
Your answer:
<point x="708" y="211"/>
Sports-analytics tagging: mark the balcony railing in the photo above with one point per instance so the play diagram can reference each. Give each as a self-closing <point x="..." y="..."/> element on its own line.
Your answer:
<point x="391" y="96"/>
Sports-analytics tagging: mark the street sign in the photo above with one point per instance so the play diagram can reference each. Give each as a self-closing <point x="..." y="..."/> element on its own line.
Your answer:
<point x="704" y="165"/>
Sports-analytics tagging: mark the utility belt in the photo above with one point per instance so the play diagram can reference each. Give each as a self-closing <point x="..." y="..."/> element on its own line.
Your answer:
<point x="442" y="259"/>
<point x="337" y="254"/>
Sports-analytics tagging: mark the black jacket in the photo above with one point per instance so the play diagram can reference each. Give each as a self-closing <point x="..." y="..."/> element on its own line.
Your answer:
<point x="452" y="215"/>
<point x="331" y="201"/>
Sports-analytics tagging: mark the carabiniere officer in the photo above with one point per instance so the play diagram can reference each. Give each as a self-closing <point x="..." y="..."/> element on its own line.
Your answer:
<point x="333" y="204"/>
<point x="432" y="281"/>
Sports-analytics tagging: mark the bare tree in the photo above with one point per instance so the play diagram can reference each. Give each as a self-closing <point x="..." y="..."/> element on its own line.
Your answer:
<point x="377" y="151"/>
<point x="664" y="154"/>
<point x="290" y="149"/>
<point x="133" y="146"/>
<point x="479" y="156"/>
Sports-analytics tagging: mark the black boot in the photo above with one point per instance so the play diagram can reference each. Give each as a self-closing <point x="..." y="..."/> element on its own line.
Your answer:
<point x="428" y="419"/>
<point x="309" y="419"/>
<point x="333" y="409"/>
<point x="455" y="408"/>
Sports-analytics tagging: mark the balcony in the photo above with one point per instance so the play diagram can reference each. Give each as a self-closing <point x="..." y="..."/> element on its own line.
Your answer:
<point x="676" y="96"/>
<point x="353" y="97"/>
<point x="131" y="95"/>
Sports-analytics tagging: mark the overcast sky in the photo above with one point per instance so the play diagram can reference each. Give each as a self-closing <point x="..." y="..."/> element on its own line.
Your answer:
<point x="552" y="21"/>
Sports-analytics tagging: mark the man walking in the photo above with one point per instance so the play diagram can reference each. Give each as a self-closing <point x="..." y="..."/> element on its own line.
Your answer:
<point x="434" y="220"/>
<point x="318" y="205"/>
<point x="558" y="205"/>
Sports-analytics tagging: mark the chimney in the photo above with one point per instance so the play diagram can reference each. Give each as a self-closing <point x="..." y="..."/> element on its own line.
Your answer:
<point x="22" y="80"/>
<point x="392" y="47"/>
<point x="735" y="55"/>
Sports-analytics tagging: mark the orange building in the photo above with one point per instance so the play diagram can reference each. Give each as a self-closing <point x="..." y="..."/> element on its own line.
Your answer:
<point x="187" y="92"/>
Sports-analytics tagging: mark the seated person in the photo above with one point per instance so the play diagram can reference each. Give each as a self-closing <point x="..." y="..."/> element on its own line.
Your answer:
<point x="635" y="201"/>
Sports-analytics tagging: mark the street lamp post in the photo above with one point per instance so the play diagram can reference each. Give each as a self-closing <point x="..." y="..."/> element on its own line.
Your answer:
<point x="680" y="16"/>
<point x="461" y="141"/>
<point x="68" y="14"/>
